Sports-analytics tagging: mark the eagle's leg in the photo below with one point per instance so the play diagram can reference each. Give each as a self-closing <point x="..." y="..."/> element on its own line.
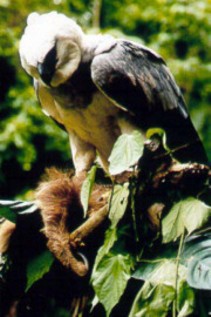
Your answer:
<point x="83" y="154"/>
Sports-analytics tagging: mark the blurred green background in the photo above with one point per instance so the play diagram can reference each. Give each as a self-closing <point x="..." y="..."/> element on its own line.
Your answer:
<point x="29" y="141"/>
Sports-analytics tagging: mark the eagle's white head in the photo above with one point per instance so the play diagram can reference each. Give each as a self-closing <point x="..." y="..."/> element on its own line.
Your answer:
<point x="50" y="47"/>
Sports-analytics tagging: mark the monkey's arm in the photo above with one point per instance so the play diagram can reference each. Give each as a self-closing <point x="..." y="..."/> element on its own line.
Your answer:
<point x="58" y="198"/>
<point x="6" y="230"/>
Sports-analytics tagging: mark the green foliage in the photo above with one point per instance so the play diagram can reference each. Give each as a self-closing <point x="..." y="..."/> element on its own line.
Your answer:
<point x="38" y="267"/>
<point x="126" y="152"/>
<point x="7" y="213"/>
<point x="110" y="279"/>
<point x="170" y="269"/>
<point x="189" y="214"/>
<point x="194" y="261"/>
<point x="113" y="265"/>
<point x="199" y="270"/>
<point x="111" y="237"/>
<point x="161" y="284"/>
<point x="86" y="189"/>
<point x="147" y="301"/>
<point x="118" y="204"/>
<point x="197" y="256"/>
<point x="167" y="272"/>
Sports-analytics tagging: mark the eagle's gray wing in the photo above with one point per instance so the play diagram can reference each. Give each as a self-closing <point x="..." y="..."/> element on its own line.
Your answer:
<point x="138" y="80"/>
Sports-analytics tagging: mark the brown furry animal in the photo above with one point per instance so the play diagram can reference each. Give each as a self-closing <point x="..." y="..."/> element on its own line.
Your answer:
<point x="6" y="230"/>
<point x="58" y="198"/>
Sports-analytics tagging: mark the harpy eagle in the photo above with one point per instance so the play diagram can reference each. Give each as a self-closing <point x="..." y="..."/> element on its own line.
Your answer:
<point x="98" y="88"/>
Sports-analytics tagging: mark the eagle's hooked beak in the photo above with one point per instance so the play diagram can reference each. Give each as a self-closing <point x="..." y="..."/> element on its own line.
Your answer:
<point x="45" y="73"/>
<point x="47" y="68"/>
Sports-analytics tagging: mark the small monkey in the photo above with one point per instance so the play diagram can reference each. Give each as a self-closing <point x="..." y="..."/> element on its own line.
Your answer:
<point x="58" y="198"/>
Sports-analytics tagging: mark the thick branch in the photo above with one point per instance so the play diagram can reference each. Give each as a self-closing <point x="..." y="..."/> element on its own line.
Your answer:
<point x="89" y="226"/>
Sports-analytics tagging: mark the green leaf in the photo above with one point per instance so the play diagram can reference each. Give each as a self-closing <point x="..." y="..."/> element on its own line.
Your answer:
<point x="188" y="214"/>
<point x="126" y="152"/>
<point x="197" y="258"/>
<point x="199" y="270"/>
<point x="111" y="236"/>
<point x="145" y="270"/>
<point x="118" y="206"/>
<point x="158" y="292"/>
<point x="119" y="202"/>
<point x="86" y="189"/>
<point x="37" y="267"/>
<point x="194" y="245"/>
<point x="153" y="301"/>
<point x="94" y="303"/>
<point x="147" y="266"/>
<point x="7" y="213"/>
<point x="166" y="273"/>
<point x="110" y="239"/>
<point x="185" y="299"/>
<point x="110" y="279"/>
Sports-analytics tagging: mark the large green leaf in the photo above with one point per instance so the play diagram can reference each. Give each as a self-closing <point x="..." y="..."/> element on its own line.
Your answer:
<point x="118" y="206"/>
<point x="119" y="202"/>
<point x="146" y="267"/>
<point x="112" y="235"/>
<point x="188" y="214"/>
<point x="37" y="267"/>
<point x="87" y="188"/>
<point x="197" y="257"/>
<point x="195" y="244"/>
<point x="126" y="152"/>
<point x="110" y="279"/>
<point x="199" y="268"/>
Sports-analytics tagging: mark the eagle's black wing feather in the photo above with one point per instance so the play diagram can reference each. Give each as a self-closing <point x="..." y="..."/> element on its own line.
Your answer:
<point x="137" y="80"/>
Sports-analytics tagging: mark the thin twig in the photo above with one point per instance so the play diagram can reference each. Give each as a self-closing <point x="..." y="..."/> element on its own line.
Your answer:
<point x="96" y="12"/>
<point x="184" y="146"/>
<point x="174" y="310"/>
